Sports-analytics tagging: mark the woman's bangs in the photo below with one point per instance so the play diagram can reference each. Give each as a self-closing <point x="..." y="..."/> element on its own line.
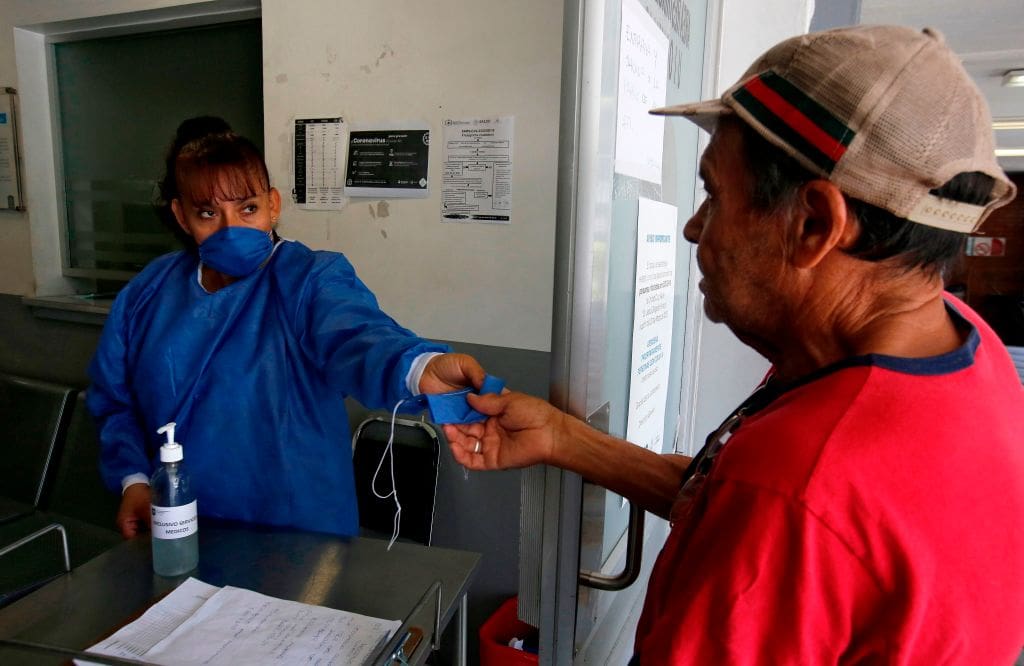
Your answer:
<point x="204" y="182"/>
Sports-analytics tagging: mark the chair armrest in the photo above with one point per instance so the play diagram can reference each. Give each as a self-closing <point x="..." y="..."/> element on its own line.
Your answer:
<point x="38" y="533"/>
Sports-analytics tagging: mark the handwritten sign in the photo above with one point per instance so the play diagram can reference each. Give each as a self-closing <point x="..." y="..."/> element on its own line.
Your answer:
<point x="643" y="73"/>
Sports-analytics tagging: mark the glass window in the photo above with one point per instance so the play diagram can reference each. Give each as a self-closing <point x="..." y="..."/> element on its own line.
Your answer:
<point x="120" y="100"/>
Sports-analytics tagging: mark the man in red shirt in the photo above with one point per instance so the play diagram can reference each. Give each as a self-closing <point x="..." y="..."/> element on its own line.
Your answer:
<point x="865" y="504"/>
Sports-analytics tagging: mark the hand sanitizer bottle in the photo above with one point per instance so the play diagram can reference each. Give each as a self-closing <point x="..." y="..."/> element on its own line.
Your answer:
<point x="173" y="510"/>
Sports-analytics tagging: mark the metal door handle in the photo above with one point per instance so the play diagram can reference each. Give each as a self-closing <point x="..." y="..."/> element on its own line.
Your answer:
<point x="634" y="557"/>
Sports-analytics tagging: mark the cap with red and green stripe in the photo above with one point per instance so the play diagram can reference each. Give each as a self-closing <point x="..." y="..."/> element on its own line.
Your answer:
<point x="869" y="108"/>
<point x="795" y="118"/>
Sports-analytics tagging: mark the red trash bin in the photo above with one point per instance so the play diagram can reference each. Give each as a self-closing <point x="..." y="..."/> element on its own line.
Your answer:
<point x="495" y="633"/>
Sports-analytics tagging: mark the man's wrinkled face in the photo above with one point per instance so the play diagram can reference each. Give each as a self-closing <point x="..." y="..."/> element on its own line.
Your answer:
<point x="739" y="248"/>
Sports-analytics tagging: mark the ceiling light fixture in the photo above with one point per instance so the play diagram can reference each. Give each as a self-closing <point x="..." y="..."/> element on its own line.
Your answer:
<point x="1009" y="152"/>
<point x="1013" y="77"/>
<point x="1008" y="124"/>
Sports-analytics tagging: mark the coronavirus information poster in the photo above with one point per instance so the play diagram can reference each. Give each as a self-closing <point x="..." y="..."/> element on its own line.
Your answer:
<point x="386" y="162"/>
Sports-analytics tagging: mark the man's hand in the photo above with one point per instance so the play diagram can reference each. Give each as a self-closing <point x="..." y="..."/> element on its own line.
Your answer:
<point x="521" y="431"/>
<point x="133" y="516"/>
<point x="451" y="372"/>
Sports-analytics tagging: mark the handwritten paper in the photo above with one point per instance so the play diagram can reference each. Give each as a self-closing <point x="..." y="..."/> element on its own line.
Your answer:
<point x="236" y="626"/>
<point x="643" y="72"/>
<point x="133" y="641"/>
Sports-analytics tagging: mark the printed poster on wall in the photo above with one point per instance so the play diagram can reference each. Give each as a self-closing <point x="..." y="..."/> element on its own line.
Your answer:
<point x="477" y="181"/>
<point x="643" y="75"/>
<point x="10" y="178"/>
<point x="652" y="323"/>
<point x="318" y="163"/>
<point x="388" y="161"/>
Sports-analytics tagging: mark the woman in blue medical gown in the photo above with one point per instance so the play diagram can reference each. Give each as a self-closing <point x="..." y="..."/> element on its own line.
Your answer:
<point x="250" y="343"/>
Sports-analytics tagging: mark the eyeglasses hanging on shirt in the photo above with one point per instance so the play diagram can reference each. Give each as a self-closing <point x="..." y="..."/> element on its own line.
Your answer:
<point x="700" y="467"/>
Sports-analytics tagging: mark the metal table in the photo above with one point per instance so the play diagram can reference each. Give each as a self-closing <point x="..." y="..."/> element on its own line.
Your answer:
<point x="359" y="575"/>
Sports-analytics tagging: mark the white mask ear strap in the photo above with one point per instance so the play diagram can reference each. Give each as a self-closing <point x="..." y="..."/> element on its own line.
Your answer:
<point x="389" y="453"/>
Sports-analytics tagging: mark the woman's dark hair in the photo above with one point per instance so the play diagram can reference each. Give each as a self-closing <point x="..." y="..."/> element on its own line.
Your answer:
<point x="777" y="177"/>
<point x="207" y="161"/>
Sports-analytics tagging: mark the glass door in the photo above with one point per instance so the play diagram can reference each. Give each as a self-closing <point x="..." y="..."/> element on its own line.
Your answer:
<point x="627" y="187"/>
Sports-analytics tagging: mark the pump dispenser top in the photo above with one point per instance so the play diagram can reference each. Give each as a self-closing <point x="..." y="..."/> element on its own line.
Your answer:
<point x="171" y="451"/>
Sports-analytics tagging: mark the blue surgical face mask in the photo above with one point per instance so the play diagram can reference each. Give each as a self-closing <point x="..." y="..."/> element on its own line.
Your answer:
<point x="236" y="251"/>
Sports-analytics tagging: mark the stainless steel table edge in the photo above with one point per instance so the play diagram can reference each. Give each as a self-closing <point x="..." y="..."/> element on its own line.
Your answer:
<point x="360" y="575"/>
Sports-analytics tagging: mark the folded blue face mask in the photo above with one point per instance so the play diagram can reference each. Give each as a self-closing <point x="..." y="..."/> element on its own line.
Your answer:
<point x="453" y="408"/>
<point x="236" y="251"/>
<point x="444" y="408"/>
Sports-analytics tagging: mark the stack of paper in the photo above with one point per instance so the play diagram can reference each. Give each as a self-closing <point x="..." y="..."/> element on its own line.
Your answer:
<point x="199" y="623"/>
<point x="1017" y="354"/>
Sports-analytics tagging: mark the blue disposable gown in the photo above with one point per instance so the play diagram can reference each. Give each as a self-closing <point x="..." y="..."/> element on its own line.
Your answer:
<point x="255" y="376"/>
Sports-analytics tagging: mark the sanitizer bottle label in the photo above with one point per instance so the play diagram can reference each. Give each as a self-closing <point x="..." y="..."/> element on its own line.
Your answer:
<point x="174" y="522"/>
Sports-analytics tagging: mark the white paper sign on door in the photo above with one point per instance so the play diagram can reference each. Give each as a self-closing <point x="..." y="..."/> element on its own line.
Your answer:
<point x="643" y="74"/>
<point x="652" y="323"/>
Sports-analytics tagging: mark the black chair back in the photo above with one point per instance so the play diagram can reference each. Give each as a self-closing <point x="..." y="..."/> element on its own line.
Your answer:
<point x="33" y="419"/>
<point x="416" y="450"/>
<point x="78" y="491"/>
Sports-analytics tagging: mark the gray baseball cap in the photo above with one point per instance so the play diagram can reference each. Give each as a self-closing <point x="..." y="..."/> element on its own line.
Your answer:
<point x="887" y="113"/>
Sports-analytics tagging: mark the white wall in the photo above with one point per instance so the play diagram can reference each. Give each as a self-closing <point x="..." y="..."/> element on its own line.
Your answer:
<point x="16" y="275"/>
<point x="727" y="369"/>
<point x="412" y="60"/>
<point x="368" y="62"/>
<point x="15" y="238"/>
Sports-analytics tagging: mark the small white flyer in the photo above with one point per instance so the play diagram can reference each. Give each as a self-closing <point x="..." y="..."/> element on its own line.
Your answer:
<point x="477" y="181"/>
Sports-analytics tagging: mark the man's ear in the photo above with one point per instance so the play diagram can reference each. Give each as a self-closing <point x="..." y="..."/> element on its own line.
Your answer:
<point x="179" y="215"/>
<point x="823" y="223"/>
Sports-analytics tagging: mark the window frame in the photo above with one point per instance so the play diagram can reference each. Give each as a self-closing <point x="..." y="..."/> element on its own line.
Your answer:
<point x="35" y="54"/>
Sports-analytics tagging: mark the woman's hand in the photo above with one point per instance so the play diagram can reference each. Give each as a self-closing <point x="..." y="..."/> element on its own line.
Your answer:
<point x="451" y="372"/>
<point x="521" y="431"/>
<point x="133" y="516"/>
